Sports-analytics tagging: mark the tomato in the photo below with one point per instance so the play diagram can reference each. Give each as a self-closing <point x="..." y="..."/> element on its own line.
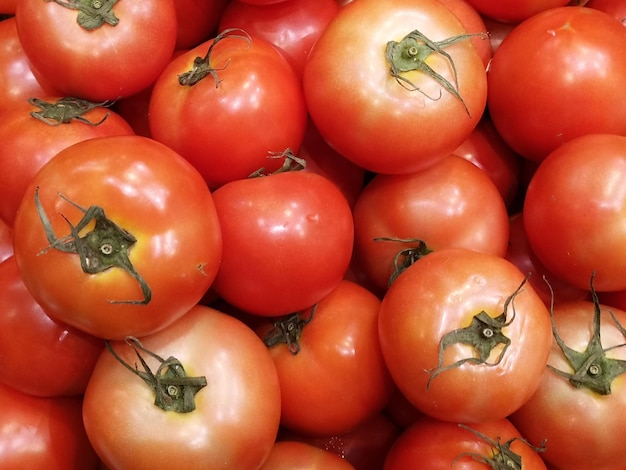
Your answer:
<point x="6" y="240"/>
<point x="464" y="337"/>
<point x="197" y="20"/>
<point x="375" y="113"/>
<point x="116" y="51"/>
<point x="39" y="355"/>
<point x="615" y="8"/>
<point x="284" y="248"/>
<point x="514" y="11"/>
<point x="452" y="203"/>
<point x="226" y="414"/>
<point x="150" y="239"/>
<point x="226" y="104"/>
<point x="573" y="213"/>
<point x="435" y="444"/>
<point x="8" y="6"/>
<point x="37" y="138"/>
<point x="558" y="75"/>
<point x="331" y="370"/>
<point x="579" y="404"/>
<point x="43" y="433"/>
<point x="287" y="455"/>
<point x="291" y="25"/>
<point x="16" y="74"/>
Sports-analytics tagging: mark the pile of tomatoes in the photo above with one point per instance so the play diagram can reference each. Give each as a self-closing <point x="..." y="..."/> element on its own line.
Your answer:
<point x="321" y="234"/>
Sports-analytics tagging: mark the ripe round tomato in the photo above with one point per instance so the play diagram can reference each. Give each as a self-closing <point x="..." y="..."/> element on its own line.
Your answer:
<point x="150" y="239"/>
<point x="395" y="86"/>
<point x="231" y="422"/>
<point x="558" y="75"/>
<point x="43" y="433"/>
<point x="580" y="418"/>
<point x="128" y="45"/>
<point x="331" y="370"/>
<point x="464" y="337"/>
<point x="40" y="356"/>
<point x="452" y="203"/>
<point x="288" y="241"/>
<point x="226" y="104"/>
<point x="574" y="212"/>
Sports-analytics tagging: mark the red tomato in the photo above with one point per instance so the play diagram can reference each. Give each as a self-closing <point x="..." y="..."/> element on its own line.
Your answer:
<point x="6" y="240"/>
<point x="571" y="82"/>
<point x="16" y="74"/>
<point x="40" y="356"/>
<point x="381" y="112"/>
<point x="43" y="433"/>
<point x="434" y="444"/>
<point x="37" y="138"/>
<point x="463" y="337"/>
<point x="580" y="403"/>
<point x="284" y="248"/>
<point x="197" y="20"/>
<point x="150" y="239"/>
<point x="116" y="52"/>
<point x="291" y="25"/>
<point x="236" y="415"/>
<point x="449" y="204"/>
<point x="331" y="370"/>
<point x="288" y="455"/>
<point x="248" y="103"/>
<point x="615" y="8"/>
<point x="514" y="11"/>
<point x="573" y="212"/>
<point x="8" y="6"/>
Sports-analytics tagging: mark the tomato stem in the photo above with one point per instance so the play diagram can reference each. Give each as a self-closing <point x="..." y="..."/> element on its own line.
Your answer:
<point x="91" y="13"/>
<point x="406" y="257"/>
<point x="287" y="330"/>
<point x="291" y="163"/>
<point x="173" y="389"/>
<point x="410" y="54"/>
<point x="65" y="110"/>
<point x="202" y="65"/>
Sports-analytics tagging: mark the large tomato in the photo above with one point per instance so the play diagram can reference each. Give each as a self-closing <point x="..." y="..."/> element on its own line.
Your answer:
<point x="580" y="403"/>
<point x="464" y="337"/>
<point x="100" y="50"/>
<point x="574" y="212"/>
<point x="226" y="104"/>
<point x="150" y="241"/>
<point x="217" y="392"/>
<point x="558" y="75"/>
<point x="394" y="86"/>
<point x="288" y="240"/>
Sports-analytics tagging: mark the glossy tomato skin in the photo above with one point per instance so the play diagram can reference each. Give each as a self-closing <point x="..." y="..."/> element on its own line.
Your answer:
<point x="583" y="428"/>
<point x="6" y="240"/>
<point x="365" y="113"/>
<point x="106" y="63"/>
<point x="538" y="107"/>
<point x="287" y="455"/>
<point x="442" y="293"/>
<point x="40" y="356"/>
<point x="452" y="203"/>
<point x="150" y="192"/>
<point x="43" y="433"/>
<point x="36" y="142"/>
<point x="439" y="445"/>
<point x="234" y="424"/>
<point x="285" y="248"/>
<point x="337" y="378"/>
<point x="226" y="129"/>
<point x="573" y="216"/>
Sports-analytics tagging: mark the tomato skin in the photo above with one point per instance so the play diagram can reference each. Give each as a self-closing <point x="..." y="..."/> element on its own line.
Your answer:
<point x="441" y="293"/>
<point x="434" y="444"/>
<point x="514" y="11"/>
<point x="538" y="107"/>
<point x="452" y="203"/>
<point x="106" y="63"/>
<point x="284" y="249"/>
<point x="43" y="433"/>
<point x="197" y="20"/>
<point x="128" y="431"/>
<point x="583" y="429"/>
<point x="615" y="8"/>
<point x="338" y="378"/>
<point x="287" y="455"/>
<point x="37" y="142"/>
<point x="146" y="189"/>
<point x="227" y="131"/>
<point x="573" y="218"/>
<point x="6" y="240"/>
<point x="361" y="109"/>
